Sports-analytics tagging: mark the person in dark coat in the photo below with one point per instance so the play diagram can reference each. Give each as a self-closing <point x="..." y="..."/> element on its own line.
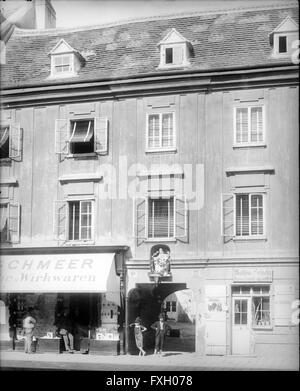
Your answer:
<point x="138" y="333"/>
<point x="64" y="328"/>
<point x="161" y="327"/>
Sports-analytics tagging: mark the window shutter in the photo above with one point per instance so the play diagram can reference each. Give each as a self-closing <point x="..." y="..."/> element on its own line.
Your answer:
<point x="14" y="222"/>
<point x="181" y="216"/>
<point x="227" y="216"/>
<point x="256" y="124"/>
<point x="101" y="135"/>
<point x="62" y="136"/>
<point x="140" y="210"/>
<point x="284" y="295"/>
<point x="177" y="55"/>
<point x="60" y="220"/>
<point x="15" y="141"/>
<point x="241" y="124"/>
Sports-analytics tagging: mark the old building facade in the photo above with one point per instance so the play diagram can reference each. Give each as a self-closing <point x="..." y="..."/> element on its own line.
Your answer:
<point x="172" y="140"/>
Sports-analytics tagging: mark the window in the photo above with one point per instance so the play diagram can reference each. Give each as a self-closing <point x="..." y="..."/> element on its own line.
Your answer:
<point x="160" y="131"/>
<point x="62" y="64"/>
<point x="4" y="142"/>
<point x="9" y="222"/>
<point x="161" y="218"/>
<point x="171" y="306"/>
<point x="80" y="220"/>
<point x="240" y="311"/>
<point x="4" y="233"/>
<point x="249" y="125"/>
<point x="243" y="216"/>
<point x="169" y="56"/>
<point x="11" y="141"/>
<point x="249" y="214"/>
<point x="282" y="42"/>
<point x="260" y="305"/>
<point x="82" y="137"/>
<point x="65" y="60"/>
<point x="174" y="51"/>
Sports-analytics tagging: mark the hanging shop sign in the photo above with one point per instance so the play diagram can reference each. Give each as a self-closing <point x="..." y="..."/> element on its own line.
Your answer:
<point x="58" y="273"/>
<point x="252" y="275"/>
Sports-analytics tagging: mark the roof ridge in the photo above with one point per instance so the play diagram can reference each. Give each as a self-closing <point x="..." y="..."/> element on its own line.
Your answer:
<point x="64" y="30"/>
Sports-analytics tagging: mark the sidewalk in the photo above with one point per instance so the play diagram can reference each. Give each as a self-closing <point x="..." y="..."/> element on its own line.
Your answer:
<point x="172" y="361"/>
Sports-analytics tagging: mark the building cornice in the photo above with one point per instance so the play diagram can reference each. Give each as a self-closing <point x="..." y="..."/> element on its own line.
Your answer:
<point x="154" y="84"/>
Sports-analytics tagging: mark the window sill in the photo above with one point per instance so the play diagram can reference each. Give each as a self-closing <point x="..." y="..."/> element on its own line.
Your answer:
<point x="243" y="238"/>
<point x="81" y="155"/>
<point x="174" y="66"/>
<point x="249" y="145"/>
<point x="152" y="240"/>
<point x="79" y="242"/>
<point x="158" y="150"/>
<point x="261" y="328"/>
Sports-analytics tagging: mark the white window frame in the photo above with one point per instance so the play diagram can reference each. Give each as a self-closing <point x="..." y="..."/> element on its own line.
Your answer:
<point x="161" y="148"/>
<point x="9" y="204"/>
<point x="249" y="143"/>
<point x="253" y="294"/>
<point x="70" y="72"/>
<point x="290" y="37"/>
<point x="163" y="238"/>
<point x="250" y="236"/>
<point x="185" y="60"/>
<point x="72" y="131"/>
<point x="79" y="240"/>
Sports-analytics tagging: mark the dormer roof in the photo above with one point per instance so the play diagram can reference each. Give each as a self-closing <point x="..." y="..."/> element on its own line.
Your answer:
<point x="287" y="25"/>
<point x="173" y="37"/>
<point x="62" y="47"/>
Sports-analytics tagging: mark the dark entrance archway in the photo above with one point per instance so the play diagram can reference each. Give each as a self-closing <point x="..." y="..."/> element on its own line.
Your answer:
<point x="146" y="301"/>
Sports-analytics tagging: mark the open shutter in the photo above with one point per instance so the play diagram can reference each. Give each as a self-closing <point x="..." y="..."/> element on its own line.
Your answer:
<point x="178" y="55"/>
<point x="181" y="217"/>
<point x="140" y="210"/>
<point x="60" y="220"/>
<point x="227" y="216"/>
<point x="284" y="295"/>
<point x="15" y="141"/>
<point x="14" y="222"/>
<point x="62" y="136"/>
<point x="101" y="135"/>
<point x="216" y="311"/>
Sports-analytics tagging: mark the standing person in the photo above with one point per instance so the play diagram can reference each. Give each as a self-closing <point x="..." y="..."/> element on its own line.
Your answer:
<point x="64" y="328"/>
<point x="138" y="333"/>
<point x="29" y="323"/>
<point x="160" y="327"/>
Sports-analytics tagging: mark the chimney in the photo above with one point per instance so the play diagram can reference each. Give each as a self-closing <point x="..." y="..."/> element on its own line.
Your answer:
<point x="45" y="14"/>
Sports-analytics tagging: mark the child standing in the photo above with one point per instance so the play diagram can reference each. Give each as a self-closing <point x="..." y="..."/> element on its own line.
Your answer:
<point x="138" y="333"/>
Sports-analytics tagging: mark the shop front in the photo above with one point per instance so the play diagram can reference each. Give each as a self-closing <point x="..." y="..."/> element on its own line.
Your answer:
<point x="83" y="284"/>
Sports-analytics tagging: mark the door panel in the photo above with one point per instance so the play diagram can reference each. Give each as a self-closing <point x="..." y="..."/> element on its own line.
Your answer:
<point x="241" y="312"/>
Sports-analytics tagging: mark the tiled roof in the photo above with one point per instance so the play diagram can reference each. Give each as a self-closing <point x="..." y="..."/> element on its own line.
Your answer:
<point x="219" y="40"/>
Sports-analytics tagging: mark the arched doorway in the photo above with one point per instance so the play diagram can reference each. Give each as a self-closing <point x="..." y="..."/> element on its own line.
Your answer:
<point x="147" y="301"/>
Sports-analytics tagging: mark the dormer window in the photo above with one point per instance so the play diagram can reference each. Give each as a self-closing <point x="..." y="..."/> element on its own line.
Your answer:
<point x="174" y="51"/>
<point x="62" y="64"/>
<point x="65" y="61"/>
<point x="282" y="38"/>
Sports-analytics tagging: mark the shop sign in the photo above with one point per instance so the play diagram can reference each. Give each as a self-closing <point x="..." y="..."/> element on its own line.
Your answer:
<point x="58" y="273"/>
<point x="252" y="275"/>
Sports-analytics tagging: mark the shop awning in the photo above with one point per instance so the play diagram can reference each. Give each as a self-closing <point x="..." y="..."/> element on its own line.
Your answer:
<point x="60" y="273"/>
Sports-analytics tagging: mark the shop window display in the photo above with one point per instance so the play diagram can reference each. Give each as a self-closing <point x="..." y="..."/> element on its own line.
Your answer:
<point x="260" y="305"/>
